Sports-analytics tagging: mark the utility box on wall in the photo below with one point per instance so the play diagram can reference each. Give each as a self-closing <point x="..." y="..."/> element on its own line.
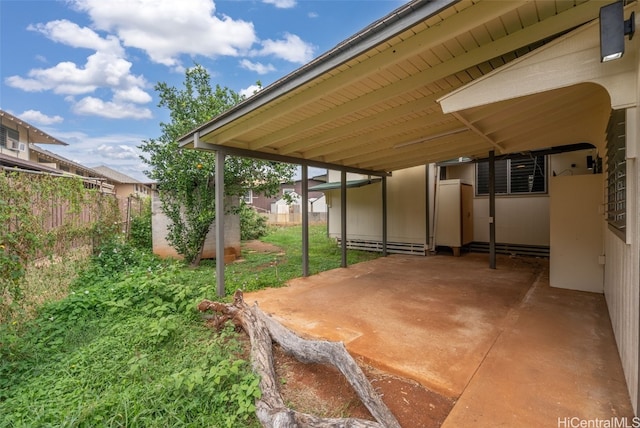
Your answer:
<point x="454" y="214"/>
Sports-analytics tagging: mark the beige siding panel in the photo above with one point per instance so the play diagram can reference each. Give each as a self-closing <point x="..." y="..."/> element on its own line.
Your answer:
<point x="406" y="206"/>
<point x="364" y="212"/>
<point x="364" y="208"/>
<point x="519" y="220"/>
<point x="621" y="293"/>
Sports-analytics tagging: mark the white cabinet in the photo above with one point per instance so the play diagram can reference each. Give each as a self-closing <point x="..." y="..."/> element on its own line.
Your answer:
<point x="454" y="214"/>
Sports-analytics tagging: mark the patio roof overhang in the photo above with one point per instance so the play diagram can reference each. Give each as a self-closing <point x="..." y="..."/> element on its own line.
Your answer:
<point x="372" y="104"/>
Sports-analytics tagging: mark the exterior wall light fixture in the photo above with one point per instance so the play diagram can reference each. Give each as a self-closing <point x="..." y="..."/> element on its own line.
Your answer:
<point x="613" y="28"/>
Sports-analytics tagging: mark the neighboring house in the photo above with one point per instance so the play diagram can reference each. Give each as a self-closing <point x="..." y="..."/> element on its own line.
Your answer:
<point x="18" y="150"/>
<point x="131" y="193"/>
<point x="288" y="209"/>
<point x="125" y="186"/>
<point x="16" y="135"/>
<point x="285" y="207"/>
<point x="44" y="157"/>
<point x="528" y="83"/>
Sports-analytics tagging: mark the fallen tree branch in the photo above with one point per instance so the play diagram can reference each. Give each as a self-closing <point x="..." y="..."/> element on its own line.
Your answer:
<point x="270" y="408"/>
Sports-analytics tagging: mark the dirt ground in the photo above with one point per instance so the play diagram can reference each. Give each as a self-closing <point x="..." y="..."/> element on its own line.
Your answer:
<point x="257" y="246"/>
<point x="323" y="391"/>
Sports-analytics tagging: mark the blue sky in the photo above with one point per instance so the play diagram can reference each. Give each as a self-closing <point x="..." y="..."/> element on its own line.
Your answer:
<point x="84" y="70"/>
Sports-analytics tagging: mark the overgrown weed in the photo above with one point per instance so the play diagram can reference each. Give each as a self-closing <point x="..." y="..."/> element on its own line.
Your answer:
<point x="126" y="346"/>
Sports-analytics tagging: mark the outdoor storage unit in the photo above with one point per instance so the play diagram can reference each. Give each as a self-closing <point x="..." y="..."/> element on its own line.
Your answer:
<point x="454" y="214"/>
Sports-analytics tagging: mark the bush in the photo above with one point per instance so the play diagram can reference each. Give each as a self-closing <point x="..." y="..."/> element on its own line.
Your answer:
<point x="253" y="225"/>
<point x="140" y="228"/>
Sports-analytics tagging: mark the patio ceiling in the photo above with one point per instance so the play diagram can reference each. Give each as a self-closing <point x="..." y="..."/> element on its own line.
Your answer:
<point x="371" y="103"/>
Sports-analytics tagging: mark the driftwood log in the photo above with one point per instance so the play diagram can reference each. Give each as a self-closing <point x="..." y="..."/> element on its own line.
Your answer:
<point x="270" y="408"/>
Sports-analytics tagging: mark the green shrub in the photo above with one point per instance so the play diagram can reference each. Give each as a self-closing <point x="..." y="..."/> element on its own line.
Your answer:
<point x="253" y="225"/>
<point x="140" y="228"/>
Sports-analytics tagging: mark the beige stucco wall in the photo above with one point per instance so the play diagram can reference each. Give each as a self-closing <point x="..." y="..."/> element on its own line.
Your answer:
<point x="161" y="247"/>
<point x="124" y="190"/>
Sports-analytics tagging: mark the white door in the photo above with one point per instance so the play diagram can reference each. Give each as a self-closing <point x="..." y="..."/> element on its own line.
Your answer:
<point x="576" y="232"/>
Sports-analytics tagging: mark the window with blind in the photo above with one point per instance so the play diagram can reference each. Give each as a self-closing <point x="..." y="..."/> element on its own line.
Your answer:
<point x="8" y="134"/>
<point x="617" y="172"/>
<point x="521" y="176"/>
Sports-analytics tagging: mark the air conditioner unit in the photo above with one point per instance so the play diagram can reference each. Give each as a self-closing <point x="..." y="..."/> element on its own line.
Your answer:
<point x="22" y="147"/>
<point x="13" y="144"/>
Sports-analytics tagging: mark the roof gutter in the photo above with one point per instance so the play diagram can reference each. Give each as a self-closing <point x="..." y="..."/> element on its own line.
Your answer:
<point x="397" y="21"/>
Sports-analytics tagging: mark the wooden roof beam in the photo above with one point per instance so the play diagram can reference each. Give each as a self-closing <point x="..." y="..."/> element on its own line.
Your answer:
<point x="433" y="36"/>
<point x="524" y="37"/>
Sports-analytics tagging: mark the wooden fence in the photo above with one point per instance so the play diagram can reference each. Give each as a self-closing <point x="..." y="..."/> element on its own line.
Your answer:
<point x="41" y="218"/>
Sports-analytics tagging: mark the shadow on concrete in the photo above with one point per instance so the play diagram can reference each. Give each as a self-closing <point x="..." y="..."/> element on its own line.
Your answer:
<point x="505" y="346"/>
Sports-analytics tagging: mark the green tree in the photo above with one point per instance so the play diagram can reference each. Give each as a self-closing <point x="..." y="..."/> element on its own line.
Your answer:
<point x="185" y="178"/>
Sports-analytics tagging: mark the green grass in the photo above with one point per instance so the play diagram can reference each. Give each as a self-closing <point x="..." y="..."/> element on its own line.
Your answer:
<point x="126" y="347"/>
<point x="259" y="271"/>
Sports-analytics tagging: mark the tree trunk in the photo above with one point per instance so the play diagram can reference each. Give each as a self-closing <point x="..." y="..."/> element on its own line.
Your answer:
<point x="270" y="408"/>
<point x="198" y="258"/>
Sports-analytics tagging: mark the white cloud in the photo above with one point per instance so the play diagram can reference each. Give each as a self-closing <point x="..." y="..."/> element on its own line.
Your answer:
<point x="166" y="29"/>
<point x="39" y="118"/>
<point x="247" y="92"/>
<point x="66" y="78"/>
<point x="257" y="66"/>
<point x="292" y="49"/>
<point x="117" y="151"/>
<point x="133" y="94"/>
<point x="313" y="15"/>
<point x="281" y="4"/>
<point x="92" y="106"/>
<point x="71" y="34"/>
<point x="105" y="68"/>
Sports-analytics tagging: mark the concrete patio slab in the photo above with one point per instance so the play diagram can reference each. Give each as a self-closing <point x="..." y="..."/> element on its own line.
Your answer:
<point x="508" y="348"/>
<point x="555" y="364"/>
